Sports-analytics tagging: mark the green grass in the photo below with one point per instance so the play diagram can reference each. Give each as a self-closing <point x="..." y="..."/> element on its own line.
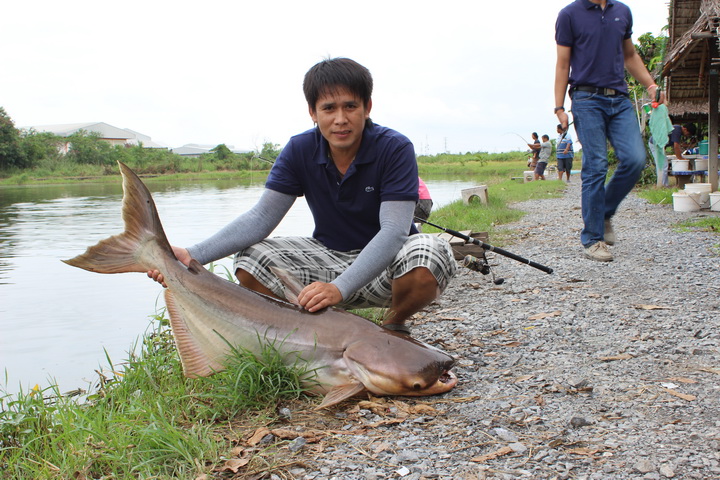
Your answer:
<point x="490" y="218"/>
<point x="657" y="195"/>
<point x="147" y="421"/>
<point x="707" y="224"/>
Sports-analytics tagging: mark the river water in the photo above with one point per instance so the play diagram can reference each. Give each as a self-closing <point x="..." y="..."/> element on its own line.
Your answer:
<point x="58" y="324"/>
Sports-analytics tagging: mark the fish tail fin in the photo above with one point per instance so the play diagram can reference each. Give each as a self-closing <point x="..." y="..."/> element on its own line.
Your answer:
<point x="124" y="252"/>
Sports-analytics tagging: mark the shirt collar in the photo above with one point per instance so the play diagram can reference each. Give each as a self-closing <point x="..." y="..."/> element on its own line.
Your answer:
<point x="588" y="4"/>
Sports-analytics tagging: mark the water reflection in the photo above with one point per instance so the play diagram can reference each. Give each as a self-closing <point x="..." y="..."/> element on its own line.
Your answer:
<point x="59" y="322"/>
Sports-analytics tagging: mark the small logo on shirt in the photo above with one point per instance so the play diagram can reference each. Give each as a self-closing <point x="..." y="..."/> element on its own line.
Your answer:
<point x="369" y="189"/>
<point x="617" y="19"/>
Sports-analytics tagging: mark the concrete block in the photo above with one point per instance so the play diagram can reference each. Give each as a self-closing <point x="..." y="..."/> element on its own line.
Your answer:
<point x="480" y="192"/>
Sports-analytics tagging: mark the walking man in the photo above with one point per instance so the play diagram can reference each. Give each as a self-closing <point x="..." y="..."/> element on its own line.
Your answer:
<point x="593" y="45"/>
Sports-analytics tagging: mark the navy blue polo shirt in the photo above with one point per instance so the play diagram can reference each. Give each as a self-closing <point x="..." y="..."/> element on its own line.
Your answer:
<point x="596" y="38"/>
<point x="346" y="209"/>
<point x="675" y="135"/>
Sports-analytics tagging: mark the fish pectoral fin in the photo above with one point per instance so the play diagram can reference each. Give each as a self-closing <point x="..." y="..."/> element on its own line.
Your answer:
<point x="340" y="393"/>
<point x="195" y="361"/>
<point x="293" y="286"/>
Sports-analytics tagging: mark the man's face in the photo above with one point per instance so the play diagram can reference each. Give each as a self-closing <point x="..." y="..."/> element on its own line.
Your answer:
<point x="341" y="117"/>
<point x="685" y="132"/>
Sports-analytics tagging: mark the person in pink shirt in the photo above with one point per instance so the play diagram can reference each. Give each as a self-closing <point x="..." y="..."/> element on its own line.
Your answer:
<point x="424" y="203"/>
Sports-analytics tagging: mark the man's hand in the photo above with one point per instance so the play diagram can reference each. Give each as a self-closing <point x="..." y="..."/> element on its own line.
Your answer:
<point x="563" y="119"/>
<point x="182" y="254"/>
<point x="653" y="91"/>
<point x="319" y="295"/>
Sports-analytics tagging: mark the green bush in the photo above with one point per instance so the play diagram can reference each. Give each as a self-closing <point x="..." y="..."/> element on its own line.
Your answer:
<point x="11" y="154"/>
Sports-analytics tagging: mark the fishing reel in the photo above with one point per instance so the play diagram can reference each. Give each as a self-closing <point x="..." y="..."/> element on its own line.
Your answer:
<point x="481" y="265"/>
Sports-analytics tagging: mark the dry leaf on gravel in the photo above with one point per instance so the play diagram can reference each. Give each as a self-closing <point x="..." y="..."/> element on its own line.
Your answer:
<point x="491" y="455"/>
<point x="682" y="380"/>
<point x="311" y="436"/>
<point x="584" y="451"/>
<point x="710" y="370"/>
<point x="259" y="434"/>
<point x="612" y="358"/>
<point x="641" y="306"/>
<point x="423" y="409"/>
<point x="684" y="396"/>
<point x="540" y="316"/>
<point x="233" y="465"/>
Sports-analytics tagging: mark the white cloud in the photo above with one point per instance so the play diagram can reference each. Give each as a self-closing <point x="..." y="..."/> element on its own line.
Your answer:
<point x="456" y="75"/>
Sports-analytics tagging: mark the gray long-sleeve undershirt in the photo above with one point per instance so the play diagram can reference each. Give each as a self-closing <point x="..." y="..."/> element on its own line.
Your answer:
<point x="257" y="223"/>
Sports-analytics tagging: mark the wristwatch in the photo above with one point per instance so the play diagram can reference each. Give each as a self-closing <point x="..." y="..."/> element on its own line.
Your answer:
<point x="558" y="108"/>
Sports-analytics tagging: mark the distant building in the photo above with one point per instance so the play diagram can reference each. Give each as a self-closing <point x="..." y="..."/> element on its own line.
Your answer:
<point x="108" y="133"/>
<point x="195" y="150"/>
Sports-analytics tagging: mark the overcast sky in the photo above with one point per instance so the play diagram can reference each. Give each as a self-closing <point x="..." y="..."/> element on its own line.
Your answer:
<point x="453" y="76"/>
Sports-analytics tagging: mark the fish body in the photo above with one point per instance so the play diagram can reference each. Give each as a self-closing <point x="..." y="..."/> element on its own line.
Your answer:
<point x="209" y="314"/>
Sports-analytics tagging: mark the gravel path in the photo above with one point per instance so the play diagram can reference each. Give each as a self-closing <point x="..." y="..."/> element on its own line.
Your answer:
<point x="598" y="371"/>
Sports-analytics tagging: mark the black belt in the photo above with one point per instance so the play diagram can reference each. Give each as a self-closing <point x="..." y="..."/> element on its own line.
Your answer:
<point x="608" y="92"/>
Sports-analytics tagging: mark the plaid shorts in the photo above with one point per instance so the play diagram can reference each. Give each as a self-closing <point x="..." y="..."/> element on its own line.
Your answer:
<point x="310" y="261"/>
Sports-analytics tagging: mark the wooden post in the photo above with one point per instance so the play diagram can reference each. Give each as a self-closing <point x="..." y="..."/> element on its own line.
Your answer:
<point x="713" y="127"/>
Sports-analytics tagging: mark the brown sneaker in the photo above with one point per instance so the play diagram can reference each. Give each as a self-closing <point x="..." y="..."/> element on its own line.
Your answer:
<point x="599" y="251"/>
<point x="609" y="233"/>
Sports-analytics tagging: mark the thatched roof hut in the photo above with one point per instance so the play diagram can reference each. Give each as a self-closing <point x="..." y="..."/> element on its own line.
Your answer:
<point x="687" y="59"/>
<point x="692" y="65"/>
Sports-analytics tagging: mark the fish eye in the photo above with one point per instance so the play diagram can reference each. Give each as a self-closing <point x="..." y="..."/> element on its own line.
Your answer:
<point x="417" y="386"/>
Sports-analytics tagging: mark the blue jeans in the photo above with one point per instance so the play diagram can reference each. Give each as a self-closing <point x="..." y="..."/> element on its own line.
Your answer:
<point x="599" y="118"/>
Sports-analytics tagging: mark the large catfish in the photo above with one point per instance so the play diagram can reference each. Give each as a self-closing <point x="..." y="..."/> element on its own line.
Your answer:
<point x="349" y="354"/>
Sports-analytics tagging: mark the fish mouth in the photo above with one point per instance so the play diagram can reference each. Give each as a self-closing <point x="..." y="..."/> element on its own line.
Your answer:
<point x="448" y="379"/>
<point x="444" y="383"/>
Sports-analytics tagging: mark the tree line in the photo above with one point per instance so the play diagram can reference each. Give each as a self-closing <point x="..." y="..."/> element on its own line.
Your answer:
<point x="23" y="150"/>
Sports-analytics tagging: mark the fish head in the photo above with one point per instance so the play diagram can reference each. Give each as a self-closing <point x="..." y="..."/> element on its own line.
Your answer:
<point x="413" y="368"/>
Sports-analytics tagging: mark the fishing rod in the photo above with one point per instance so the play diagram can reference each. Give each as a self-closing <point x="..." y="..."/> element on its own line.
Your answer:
<point x="488" y="247"/>
<point x="521" y="137"/>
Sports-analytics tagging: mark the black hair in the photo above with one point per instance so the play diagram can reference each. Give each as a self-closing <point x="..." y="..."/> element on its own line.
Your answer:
<point x="335" y="73"/>
<point x="534" y="135"/>
<point x="690" y="127"/>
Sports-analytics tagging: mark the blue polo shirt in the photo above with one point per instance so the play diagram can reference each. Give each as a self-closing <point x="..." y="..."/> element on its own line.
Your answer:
<point x="346" y="209"/>
<point x="596" y="38"/>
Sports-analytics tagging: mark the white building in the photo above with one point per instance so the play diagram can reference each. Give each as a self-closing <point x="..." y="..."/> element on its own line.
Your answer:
<point x="108" y="133"/>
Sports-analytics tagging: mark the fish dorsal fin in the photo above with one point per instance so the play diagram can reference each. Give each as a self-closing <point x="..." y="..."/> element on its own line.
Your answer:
<point x="339" y="393"/>
<point x="195" y="266"/>
<point x="194" y="360"/>
<point x="293" y="286"/>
